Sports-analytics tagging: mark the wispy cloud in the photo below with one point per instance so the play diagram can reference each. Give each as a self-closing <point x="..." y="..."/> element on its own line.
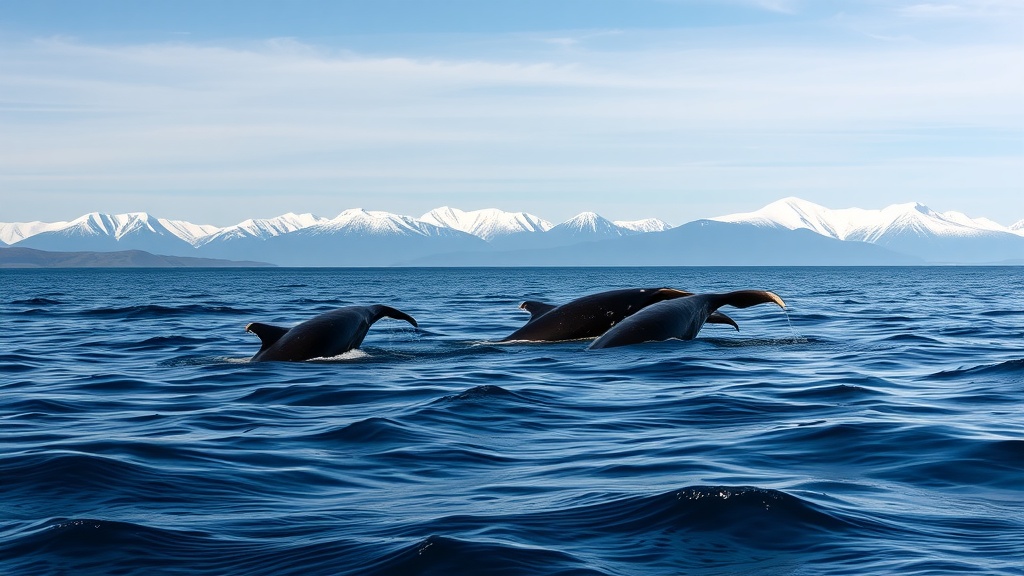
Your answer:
<point x="284" y="115"/>
<point x="783" y="6"/>
<point x="965" y="9"/>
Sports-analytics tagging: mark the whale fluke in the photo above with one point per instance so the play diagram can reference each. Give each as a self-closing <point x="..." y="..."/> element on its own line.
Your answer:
<point x="382" y="311"/>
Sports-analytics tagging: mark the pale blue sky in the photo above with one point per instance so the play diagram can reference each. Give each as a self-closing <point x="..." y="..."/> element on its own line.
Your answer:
<point x="216" y="111"/>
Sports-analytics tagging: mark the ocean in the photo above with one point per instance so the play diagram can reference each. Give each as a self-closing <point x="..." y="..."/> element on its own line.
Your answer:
<point x="876" y="426"/>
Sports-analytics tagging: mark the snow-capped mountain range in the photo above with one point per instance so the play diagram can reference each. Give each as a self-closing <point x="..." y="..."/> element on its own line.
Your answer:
<point x="901" y="233"/>
<point x="486" y="224"/>
<point x="868" y="225"/>
<point x="260" y="228"/>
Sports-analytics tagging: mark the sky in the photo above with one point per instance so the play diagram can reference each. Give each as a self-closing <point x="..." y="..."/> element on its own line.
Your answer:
<point x="216" y="111"/>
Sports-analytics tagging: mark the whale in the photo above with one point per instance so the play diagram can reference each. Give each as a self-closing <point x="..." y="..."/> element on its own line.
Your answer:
<point x="678" y="318"/>
<point x="323" y="336"/>
<point x="592" y="315"/>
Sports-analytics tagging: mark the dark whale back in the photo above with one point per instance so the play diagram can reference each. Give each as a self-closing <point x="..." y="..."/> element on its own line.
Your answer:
<point x="588" y="316"/>
<point x="679" y="318"/>
<point x="592" y="315"/>
<point x="323" y="336"/>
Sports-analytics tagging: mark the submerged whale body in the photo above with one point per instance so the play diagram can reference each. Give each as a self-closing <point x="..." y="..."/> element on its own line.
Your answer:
<point x="323" y="336"/>
<point x="592" y="315"/>
<point x="678" y="318"/>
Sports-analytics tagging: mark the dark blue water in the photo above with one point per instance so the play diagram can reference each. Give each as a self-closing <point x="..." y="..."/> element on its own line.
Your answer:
<point x="875" y="427"/>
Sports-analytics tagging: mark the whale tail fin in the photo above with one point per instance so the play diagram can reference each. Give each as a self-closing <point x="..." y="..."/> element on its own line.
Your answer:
<point x="719" y="318"/>
<point x="381" y="311"/>
<point x="536" y="309"/>
<point x="268" y="334"/>
<point x="747" y="298"/>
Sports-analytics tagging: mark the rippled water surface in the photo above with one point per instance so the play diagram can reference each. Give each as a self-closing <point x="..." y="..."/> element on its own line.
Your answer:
<point x="876" y="426"/>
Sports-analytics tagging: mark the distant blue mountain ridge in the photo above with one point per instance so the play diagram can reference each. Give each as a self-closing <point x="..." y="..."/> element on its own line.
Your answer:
<point x="790" y="232"/>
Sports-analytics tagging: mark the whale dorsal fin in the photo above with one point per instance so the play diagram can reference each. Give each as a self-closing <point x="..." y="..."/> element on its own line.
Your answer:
<point x="268" y="334"/>
<point x="536" y="309"/>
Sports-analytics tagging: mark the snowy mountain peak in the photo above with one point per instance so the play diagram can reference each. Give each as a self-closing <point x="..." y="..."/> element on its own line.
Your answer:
<point x="445" y="216"/>
<point x="487" y="223"/>
<point x="191" y="233"/>
<point x="642" y="226"/>
<point x="590" y="225"/>
<point x="792" y="213"/>
<point x="262" y="228"/>
<point x="919" y="220"/>
<point x="374" y="222"/>
<point x="911" y="218"/>
<point x="11" y="232"/>
<point x="587" y="221"/>
<point x="983" y="223"/>
<point x="117" y="225"/>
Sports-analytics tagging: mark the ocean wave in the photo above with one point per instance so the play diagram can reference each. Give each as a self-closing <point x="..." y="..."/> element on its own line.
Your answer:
<point x="846" y="390"/>
<point x="316" y="395"/>
<point x="66" y="477"/>
<point x="162" y="311"/>
<point x="163" y="343"/>
<point x="375" y="430"/>
<point x="484" y="392"/>
<point x="38" y="301"/>
<point x="446" y="555"/>
<point x="1009" y="367"/>
<point x="14" y="362"/>
<point x="697" y="527"/>
<point x="96" y="546"/>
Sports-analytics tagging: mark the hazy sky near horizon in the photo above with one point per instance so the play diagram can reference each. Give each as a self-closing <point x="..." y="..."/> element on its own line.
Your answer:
<point x="219" y="110"/>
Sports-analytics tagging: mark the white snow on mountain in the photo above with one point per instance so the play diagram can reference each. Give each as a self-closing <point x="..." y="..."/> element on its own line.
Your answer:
<point x="793" y="213"/>
<point x="262" y="227"/>
<point x="11" y="232"/>
<point x="865" y="225"/>
<point x="591" y="223"/>
<point x="374" y="223"/>
<point x="980" y="223"/>
<point x="520" y="227"/>
<point x="118" y="226"/>
<point x="191" y="233"/>
<point x="1017" y="228"/>
<point x="115" y="226"/>
<point x="488" y="223"/>
<point x="645" y="225"/>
